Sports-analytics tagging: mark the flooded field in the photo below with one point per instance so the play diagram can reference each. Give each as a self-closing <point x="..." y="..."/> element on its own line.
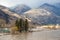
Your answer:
<point x="42" y="35"/>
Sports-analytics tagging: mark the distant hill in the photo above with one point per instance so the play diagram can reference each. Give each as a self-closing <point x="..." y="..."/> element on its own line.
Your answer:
<point x="42" y="16"/>
<point x="51" y="8"/>
<point x="4" y="16"/>
<point x="8" y="16"/>
<point x="45" y="14"/>
<point x="20" y="9"/>
<point x="57" y="5"/>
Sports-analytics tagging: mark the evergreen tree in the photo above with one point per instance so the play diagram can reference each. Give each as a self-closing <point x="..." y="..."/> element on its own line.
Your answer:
<point x="26" y="25"/>
<point x="21" y="25"/>
<point x="17" y="24"/>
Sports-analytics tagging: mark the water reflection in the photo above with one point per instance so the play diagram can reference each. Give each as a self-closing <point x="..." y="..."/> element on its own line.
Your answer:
<point x="43" y="35"/>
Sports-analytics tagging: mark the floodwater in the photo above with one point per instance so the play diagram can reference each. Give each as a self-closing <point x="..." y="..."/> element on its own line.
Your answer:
<point x="41" y="35"/>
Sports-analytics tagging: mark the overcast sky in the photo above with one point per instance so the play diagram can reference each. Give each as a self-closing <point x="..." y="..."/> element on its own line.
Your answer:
<point x="31" y="3"/>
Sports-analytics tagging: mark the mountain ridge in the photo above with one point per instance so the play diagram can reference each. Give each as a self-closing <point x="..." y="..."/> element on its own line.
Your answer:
<point x="42" y="16"/>
<point x="20" y="9"/>
<point x="51" y="8"/>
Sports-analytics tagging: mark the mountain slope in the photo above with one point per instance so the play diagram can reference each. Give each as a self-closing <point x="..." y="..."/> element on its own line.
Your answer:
<point x="7" y="16"/>
<point x="57" y="5"/>
<point x="21" y="8"/>
<point x="51" y="8"/>
<point x="4" y="16"/>
<point x="42" y="16"/>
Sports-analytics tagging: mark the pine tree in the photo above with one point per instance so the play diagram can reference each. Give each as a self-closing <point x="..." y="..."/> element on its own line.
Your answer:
<point x="26" y="25"/>
<point x="16" y="23"/>
<point x="21" y="25"/>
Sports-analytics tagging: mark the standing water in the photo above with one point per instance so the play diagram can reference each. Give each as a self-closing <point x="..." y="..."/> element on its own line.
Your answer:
<point x="41" y="35"/>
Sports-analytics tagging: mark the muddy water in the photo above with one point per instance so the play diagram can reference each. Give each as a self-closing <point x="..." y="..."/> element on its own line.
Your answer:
<point x="42" y="35"/>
